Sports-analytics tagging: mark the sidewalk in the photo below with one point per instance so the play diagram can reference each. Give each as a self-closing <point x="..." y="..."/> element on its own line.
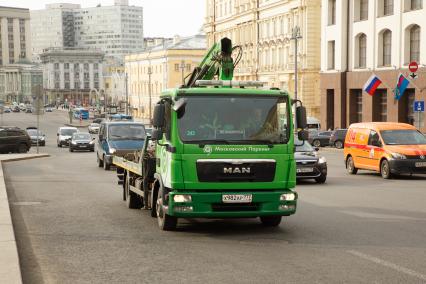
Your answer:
<point x="10" y="271"/>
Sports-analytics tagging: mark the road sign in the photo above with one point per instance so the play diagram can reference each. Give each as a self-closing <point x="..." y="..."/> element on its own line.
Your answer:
<point x="413" y="76"/>
<point x="419" y="106"/>
<point x="413" y="66"/>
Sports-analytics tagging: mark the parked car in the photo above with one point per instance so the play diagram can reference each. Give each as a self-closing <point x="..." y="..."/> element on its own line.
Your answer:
<point x="389" y="148"/>
<point x="16" y="109"/>
<point x="48" y="109"/>
<point x="320" y="139"/>
<point x="64" y="135"/>
<point x="118" y="138"/>
<point x="93" y="128"/>
<point x="82" y="141"/>
<point x="309" y="163"/>
<point x="28" y="110"/>
<point x="7" y="110"/>
<point x="37" y="135"/>
<point x="337" y="138"/>
<point x="14" y="139"/>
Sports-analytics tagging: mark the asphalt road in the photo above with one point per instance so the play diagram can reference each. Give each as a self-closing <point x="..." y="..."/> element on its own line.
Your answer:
<point x="72" y="227"/>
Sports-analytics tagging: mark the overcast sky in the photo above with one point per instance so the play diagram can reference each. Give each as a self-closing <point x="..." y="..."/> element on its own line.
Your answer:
<point x="161" y="17"/>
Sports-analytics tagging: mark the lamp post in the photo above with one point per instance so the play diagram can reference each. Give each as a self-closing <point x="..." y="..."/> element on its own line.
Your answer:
<point x="150" y="92"/>
<point x="182" y="67"/>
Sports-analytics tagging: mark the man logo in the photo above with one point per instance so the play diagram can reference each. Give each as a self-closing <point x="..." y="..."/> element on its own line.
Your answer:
<point x="208" y="149"/>
<point x="236" y="170"/>
<point x="422" y="157"/>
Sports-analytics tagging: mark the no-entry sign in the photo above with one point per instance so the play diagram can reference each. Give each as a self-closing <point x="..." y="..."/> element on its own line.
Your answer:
<point x="413" y="66"/>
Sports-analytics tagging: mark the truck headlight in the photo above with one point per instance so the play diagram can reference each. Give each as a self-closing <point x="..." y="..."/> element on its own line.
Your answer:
<point x="180" y="198"/>
<point x="398" y="156"/>
<point x="112" y="150"/>
<point x="288" y="197"/>
<point x="322" y="160"/>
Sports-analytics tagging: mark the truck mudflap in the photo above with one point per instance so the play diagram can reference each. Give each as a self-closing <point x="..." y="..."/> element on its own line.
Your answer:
<point x="232" y="204"/>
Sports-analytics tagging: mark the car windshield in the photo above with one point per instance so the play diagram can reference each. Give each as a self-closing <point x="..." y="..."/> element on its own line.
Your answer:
<point x="403" y="137"/>
<point x="34" y="132"/>
<point x="82" y="136"/>
<point x="126" y="131"/>
<point x="234" y="119"/>
<point x="303" y="147"/>
<point x="68" y="132"/>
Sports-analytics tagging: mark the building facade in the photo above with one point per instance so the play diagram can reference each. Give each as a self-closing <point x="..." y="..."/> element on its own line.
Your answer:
<point x="115" y="83"/>
<point x="161" y="67"/>
<point x="73" y="75"/>
<point x="17" y="82"/>
<point x="264" y="29"/>
<point x="15" y="41"/>
<point x="52" y="27"/>
<point x="361" y="38"/>
<point x="116" y="30"/>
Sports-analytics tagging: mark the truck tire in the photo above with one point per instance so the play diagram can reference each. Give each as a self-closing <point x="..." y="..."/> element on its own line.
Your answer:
<point x="106" y="165"/>
<point x="132" y="199"/>
<point x="99" y="161"/>
<point x="165" y="221"/>
<point x="154" y="202"/>
<point x="350" y="166"/>
<point x="270" y="221"/>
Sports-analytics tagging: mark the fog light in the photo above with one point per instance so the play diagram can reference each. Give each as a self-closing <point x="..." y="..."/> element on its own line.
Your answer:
<point x="287" y="197"/>
<point x="283" y="207"/>
<point x="183" y="209"/>
<point x="179" y="198"/>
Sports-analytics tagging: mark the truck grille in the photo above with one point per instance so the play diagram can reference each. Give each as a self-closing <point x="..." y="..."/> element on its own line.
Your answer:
<point x="236" y="171"/>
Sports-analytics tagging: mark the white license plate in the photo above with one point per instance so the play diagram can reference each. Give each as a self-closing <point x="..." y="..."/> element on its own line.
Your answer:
<point x="237" y="198"/>
<point x="304" y="170"/>
<point x="420" y="164"/>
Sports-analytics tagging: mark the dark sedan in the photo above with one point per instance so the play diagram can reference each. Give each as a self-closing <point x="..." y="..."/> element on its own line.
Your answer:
<point x="337" y="138"/>
<point x="320" y="139"/>
<point x="309" y="164"/>
<point x="36" y="135"/>
<point x="82" y="141"/>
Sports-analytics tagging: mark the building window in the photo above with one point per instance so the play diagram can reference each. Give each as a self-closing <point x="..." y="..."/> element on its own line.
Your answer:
<point x="415" y="44"/>
<point x="363" y="10"/>
<point x="86" y="66"/>
<point x="67" y="76"/>
<point x="387" y="7"/>
<point x="331" y="12"/>
<point x="358" y="100"/>
<point x="67" y="85"/>
<point x="76" y="66"/>
<point x="188" y="67"/>
<point x="95" y="66"/>
<point x="331" y="55"/>
<point x="383" y="106"/>
<point x="56" y="66"/>
<point x="86" y="85"/>
<point x="176" y="67"/>
<point x="416" y="4"/>
<point x="57" y="85"/>
<point x="76" y="85"/>
<point x="387" y="48"/>
<point x="96" y="84"/>
<point x="66" y="66"/>
<point x="362" y="51"/>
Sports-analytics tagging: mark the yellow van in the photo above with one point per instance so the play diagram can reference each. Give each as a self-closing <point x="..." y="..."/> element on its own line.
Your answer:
<point x="386" y="147"/>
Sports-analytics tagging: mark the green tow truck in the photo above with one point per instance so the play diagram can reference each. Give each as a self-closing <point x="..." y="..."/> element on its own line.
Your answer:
<point x="219" y="149"/>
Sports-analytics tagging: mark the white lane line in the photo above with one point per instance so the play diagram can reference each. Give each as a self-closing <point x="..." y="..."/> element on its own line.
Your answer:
<point x="388" y="264"/>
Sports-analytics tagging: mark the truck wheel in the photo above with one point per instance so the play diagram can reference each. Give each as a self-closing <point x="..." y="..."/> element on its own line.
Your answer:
<point x="100" y="163"/>
<point x="316" y="143"/>
<point x="165" y="222"/>
<point x="105" y="164"/>
<point x="132" y="199"/>
<point x="22" y="148"/>
<point x="385" y="170"/>
<point x="270" y="221"/>
<point x="154" y="203"/>
<point x="350" y="166"/>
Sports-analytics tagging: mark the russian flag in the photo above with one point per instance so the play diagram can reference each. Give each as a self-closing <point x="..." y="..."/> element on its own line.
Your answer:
<point x="401" y="86"/>
<point x="372" y="84"/>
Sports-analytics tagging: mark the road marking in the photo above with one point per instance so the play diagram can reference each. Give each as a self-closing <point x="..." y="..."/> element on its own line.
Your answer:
<point x="25" y="203"/>
<point x="388" y="264"/>
<point x="380" y="216"/>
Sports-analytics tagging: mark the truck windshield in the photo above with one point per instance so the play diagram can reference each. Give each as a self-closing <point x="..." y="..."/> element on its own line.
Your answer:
<point x="126" y="132"/>
<point x="403" y="137"/>
<point x="234" y="120"/>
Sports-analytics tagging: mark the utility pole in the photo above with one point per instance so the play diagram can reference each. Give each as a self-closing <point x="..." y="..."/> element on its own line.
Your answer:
<point x="127" y="94"/>
<point x="295" y="36"/>
<point x="150" y="92"/>
<point x="182" y="67"/>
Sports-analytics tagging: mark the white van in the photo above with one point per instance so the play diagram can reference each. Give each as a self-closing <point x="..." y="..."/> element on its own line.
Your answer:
<point x="314" y="125"/>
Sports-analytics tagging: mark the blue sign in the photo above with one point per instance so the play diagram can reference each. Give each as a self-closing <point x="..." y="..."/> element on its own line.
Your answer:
<point x="419" y="106"/>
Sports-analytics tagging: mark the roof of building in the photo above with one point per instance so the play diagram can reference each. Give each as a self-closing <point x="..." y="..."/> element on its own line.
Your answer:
<point x="192" y="42"/>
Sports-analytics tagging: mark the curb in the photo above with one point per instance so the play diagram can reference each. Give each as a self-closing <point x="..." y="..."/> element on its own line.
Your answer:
<point x="10" y="270"/>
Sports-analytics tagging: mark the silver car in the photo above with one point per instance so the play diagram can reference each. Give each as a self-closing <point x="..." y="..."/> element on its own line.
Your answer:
<point x="94" y="128"/>
<point x="64" y="135"/>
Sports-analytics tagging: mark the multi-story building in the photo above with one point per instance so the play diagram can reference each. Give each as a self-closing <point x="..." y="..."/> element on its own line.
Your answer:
<point x="52" y="27"/>
<point x="264" y="29"/>
<point x="161" y="67"/>
<point x="361" y="38"/>
<point x="18" y="81"/>
<point x="73" y="75"/>
<point x="117" y="30"/>
<point x="115" y="82"/>
<point x="14" y="35"/>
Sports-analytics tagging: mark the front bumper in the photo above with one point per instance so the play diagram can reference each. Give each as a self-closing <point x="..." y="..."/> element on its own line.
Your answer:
<point x="210" y="205"/>
<point x="318" y="170"/>
<point x="82" y="146"/>
<point x="409" y="166"/>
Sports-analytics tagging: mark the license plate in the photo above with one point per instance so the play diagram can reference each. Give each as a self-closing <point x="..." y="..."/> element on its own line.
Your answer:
<point x="420" y="164"/>
<point x="237" y="198"/>
<point x="304" y="170"/>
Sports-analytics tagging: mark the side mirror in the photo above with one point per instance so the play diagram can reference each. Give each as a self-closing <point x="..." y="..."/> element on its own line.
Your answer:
<point x="303" y="135"/>
<point x="301" y="120"/>
<point x="156" y="135"/>
<point x="158" y="119"/>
